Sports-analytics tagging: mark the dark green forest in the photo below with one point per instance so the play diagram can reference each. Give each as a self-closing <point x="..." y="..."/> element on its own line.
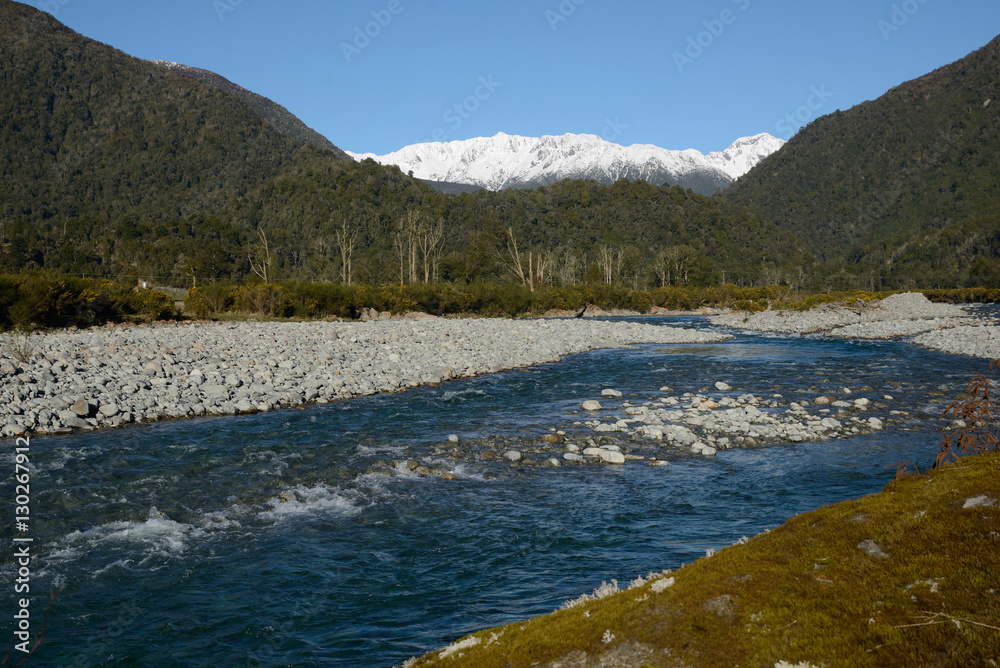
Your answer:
<point x="116" y="167"/>
<point x="902" y="189"/>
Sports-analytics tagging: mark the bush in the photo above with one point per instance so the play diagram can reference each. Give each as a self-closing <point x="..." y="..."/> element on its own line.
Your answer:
<point x="144" y="306"/>
<point x="209" y="300"/>
<point x="979" y="412"/>
<point x="263" y="299"/>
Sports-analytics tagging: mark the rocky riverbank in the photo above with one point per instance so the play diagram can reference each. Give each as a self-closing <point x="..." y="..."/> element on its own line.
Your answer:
<point x="946" y="327"/>
<point x="618" y="431"/>
<point x="57" y="382"/>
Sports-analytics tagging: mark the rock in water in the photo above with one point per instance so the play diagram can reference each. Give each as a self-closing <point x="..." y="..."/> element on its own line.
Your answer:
<point x="591" y="405"/>
<point x="612" y="457"/>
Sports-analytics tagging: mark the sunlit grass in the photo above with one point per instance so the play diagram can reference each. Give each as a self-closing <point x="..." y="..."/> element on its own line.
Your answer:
<point x="813" y="590"/>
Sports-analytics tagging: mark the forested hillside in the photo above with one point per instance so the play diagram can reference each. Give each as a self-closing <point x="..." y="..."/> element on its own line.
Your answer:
<point x="902" y="189"/>
<point x="116" y="166"/>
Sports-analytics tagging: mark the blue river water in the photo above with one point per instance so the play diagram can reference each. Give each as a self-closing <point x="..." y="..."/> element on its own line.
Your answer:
<point x="296" y="537"/>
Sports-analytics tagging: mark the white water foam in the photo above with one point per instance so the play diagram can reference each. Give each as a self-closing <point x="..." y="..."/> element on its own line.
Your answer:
<point x="451" y="395"/>
<point x="319" y="499"/>
<point x="157" y="536"/>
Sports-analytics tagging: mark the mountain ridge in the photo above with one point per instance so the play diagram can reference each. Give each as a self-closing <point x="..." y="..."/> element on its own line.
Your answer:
<point x="514" y="161"/>
<point x="275" y="114"/>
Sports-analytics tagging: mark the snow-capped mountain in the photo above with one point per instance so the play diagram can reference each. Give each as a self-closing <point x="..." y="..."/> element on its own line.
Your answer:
<point x="510" y="161"/>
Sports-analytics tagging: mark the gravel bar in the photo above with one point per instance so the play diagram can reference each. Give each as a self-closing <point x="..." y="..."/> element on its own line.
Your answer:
<point x="61" y="381"/>
<point x="945" y="327"/>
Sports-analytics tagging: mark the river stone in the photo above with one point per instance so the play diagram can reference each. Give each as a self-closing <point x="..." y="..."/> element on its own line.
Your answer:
<point x="612" y="457"/>
<point x="552" y="461"/>
<point x="448" y="476"/>
<point x="823" y="401"/>
<point x="215" y="391"/>
<point x="82" y="408"/>
<point x="453" y="438"/>
<point x="572" y="457"/>
<point x="611" y="393"/>
<point x="591" y="405"/>
<point x="872" y="548"/>
<point x="513" y="456"/>
<point x="13" y="429"/>
<point x="723" y="387"/>
<point x="411" y="465"/>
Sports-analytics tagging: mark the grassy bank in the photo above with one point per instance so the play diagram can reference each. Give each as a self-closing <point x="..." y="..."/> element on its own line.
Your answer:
<point x="906" y="577"/>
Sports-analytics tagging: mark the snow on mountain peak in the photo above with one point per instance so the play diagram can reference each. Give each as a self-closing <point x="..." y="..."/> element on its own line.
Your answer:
<point x="505" y="161"/>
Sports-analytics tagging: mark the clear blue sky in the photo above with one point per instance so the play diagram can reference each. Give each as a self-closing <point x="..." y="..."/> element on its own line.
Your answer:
<point x="632" y="71"/>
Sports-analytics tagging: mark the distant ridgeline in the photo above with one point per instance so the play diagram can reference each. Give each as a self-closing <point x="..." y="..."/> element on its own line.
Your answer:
<point x="116" y="166"/>
<point x="903" y="188"/>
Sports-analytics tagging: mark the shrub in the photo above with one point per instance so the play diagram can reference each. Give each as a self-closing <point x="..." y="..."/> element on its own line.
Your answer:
<point x="263" y="299"/>
<point x="144" y="306"/>
<point x="979" y="412"/>
<point x="208" y="300"/>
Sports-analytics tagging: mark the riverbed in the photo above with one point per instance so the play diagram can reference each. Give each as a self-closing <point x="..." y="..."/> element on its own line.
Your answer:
<point x="302" y="537"/>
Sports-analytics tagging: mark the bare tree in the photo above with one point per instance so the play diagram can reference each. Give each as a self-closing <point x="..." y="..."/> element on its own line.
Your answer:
<point x="262" y="267"/>
<point x="531" y="268"/>
<point x="610" y="260"/>
<point x="405" y="241"/>
<point x="346" y="239"/>
<point x="429" y="240"/>
<point x="568" y="267"/>
<point x="673" y="264"/>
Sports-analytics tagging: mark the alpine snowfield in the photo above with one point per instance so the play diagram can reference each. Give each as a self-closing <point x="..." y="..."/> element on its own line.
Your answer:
<point x="511" y="161"/>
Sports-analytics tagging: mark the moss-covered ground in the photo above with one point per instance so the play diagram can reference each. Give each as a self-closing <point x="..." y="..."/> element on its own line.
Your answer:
<point x="906" y="577"/>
